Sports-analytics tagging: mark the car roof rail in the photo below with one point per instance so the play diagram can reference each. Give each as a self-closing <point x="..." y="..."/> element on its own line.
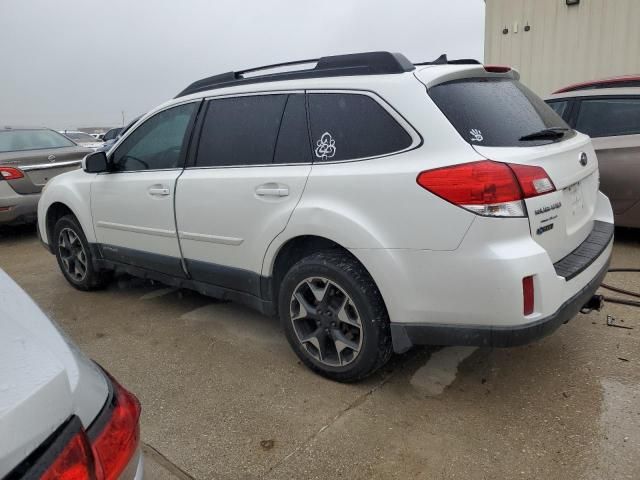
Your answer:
<point x="443" y="60"/>
<point x="624" y="81"/>
<point x="368" y="63"/>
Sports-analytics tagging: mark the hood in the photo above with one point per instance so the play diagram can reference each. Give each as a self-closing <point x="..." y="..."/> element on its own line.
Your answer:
<point x="43" y="377"/>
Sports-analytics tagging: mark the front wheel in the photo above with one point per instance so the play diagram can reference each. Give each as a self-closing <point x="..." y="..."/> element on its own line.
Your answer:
<point x="334" y="316"/>
<point x="74" y="256"/>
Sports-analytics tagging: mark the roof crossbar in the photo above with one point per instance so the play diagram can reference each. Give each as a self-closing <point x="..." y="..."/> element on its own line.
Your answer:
<point x="369" y="63"/>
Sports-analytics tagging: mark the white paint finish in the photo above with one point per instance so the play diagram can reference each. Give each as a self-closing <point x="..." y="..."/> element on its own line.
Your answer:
<point x="43" y="377"/>
<point x="479" y="283"/>
<point x="566" y="44"/>
<point x="440" y="370"/>
<point x="221" y="207"/>
<point x="135" y="229"/>
<point x="72" y="189"/>
<point x="424" y="253"/>
<point x="573" y="220"/>
<point x="126" y="214"/>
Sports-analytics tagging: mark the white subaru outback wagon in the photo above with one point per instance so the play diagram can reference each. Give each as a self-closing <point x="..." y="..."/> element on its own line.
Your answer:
<point x="372" y="203"/>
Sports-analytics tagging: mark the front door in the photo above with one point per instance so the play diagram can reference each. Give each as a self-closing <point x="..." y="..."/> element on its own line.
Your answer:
<point x="133" y="205"/>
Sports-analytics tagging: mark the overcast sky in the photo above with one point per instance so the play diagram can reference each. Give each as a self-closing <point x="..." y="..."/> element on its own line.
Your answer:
<point x="75" y="63"/>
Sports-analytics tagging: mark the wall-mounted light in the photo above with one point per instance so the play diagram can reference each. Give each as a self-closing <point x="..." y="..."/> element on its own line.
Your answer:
<point x="505" y="30"/>
<point x="573" y="2"/>
<point x="527" y="27"/>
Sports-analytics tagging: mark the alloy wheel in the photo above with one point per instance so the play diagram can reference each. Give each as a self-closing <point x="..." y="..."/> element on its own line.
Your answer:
<point x="72" y="254"/>
<point x="326" y="321"/>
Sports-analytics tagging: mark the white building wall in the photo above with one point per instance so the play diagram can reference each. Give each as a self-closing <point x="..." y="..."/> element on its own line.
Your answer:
<point x="565" y="44"/>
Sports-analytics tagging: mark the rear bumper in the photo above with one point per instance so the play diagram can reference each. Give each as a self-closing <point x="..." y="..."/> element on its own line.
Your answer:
<point x="474" y="296"/>
<point x="405" y="336"/>
<point x="16" y="208"/>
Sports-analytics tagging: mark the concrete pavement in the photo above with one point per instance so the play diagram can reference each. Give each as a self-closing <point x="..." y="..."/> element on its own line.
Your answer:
<point x="225" y="398"/>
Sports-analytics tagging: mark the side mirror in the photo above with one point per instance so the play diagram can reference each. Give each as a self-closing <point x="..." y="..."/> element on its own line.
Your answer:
<point x="95" y="162"/>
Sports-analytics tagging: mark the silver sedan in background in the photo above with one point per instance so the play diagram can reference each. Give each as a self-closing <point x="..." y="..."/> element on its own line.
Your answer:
<point x="29" y="157"/>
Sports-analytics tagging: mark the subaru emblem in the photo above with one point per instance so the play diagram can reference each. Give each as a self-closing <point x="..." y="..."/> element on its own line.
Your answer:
<point x="583" y="159"/>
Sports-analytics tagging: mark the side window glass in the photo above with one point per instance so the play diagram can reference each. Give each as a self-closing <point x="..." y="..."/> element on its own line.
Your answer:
<point x="293" y="140"/>
<point x="560" y="107"/>
<point x="350" y="126"/>
<point x="240" y="130"/>
<point x="606" y="117"/>
<point x="157" y="143"/>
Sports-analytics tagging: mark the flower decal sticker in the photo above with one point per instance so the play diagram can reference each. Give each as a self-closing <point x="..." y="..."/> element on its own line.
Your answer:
<point x="326" y="146"/>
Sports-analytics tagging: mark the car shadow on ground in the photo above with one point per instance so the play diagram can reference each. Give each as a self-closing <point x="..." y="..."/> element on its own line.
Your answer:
<point x="17" y="232"/>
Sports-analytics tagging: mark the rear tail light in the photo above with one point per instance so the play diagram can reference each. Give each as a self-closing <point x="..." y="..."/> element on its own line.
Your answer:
<point x="116" y="444"/>
<point x="533" y="180"/>
<point x="528" y="295"/>
<point x="10" y="173"/>
<point x="101" y="453"/>
<point x="486" y="187"/>
<point x="74" y="462"/>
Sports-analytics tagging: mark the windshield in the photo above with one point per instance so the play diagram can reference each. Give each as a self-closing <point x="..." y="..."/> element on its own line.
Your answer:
<point x="497" y="112"/>
<point x="80" y="137"/>
<point x="20" y="140"/>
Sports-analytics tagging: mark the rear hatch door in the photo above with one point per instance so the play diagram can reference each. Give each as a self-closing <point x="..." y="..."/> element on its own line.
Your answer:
<point x="560" y="221"/>
<point x="504" y="121"/>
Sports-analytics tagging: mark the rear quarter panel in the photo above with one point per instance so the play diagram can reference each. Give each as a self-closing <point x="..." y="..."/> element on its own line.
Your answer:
<point x="377" y="203"/>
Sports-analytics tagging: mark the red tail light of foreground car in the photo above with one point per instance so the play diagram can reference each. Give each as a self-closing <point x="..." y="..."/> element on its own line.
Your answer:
<point x="105" y="450"/>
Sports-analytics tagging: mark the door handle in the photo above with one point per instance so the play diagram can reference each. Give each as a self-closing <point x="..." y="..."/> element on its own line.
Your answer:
<point x="272" y="190"/>
<point x="159" y="190"/>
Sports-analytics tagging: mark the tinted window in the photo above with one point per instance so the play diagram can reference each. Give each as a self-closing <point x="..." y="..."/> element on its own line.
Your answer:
<point x="495" y="112"/>
<point x="559" y="107"/>
<point x="240" y="130"/>
<point x="293" y="140"/>
<point x="609" y="117"/>
<point x="111" y="134"/>
<point x="157" y="143"/>
<point x="351" y="126"/>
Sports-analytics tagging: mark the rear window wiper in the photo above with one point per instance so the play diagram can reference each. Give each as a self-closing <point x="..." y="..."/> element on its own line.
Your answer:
<point x="551" y="133"/>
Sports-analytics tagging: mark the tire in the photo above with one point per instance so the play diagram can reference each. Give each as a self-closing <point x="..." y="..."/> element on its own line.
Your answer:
<point x="334" y="317"/>
<point x="74" y="256"/>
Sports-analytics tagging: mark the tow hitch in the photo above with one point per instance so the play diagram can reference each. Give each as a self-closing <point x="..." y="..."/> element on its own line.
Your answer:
<point x="596" y="302"/>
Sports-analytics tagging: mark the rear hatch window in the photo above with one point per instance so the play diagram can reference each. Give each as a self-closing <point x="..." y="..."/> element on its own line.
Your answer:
<point x="498" y="112"/>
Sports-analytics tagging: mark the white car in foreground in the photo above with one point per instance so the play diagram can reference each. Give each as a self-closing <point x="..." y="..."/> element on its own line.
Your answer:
<point x="61" y="416"/>
<point x="371" y="203"/>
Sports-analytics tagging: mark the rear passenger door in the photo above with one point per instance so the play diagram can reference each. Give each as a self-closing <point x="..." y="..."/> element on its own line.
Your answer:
<point x="613" y="123"/>
<point x="243" y="182"/>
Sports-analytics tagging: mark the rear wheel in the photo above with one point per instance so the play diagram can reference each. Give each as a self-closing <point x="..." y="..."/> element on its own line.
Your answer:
<point x="334" y="316"/>
<point x="74" y="256"/>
